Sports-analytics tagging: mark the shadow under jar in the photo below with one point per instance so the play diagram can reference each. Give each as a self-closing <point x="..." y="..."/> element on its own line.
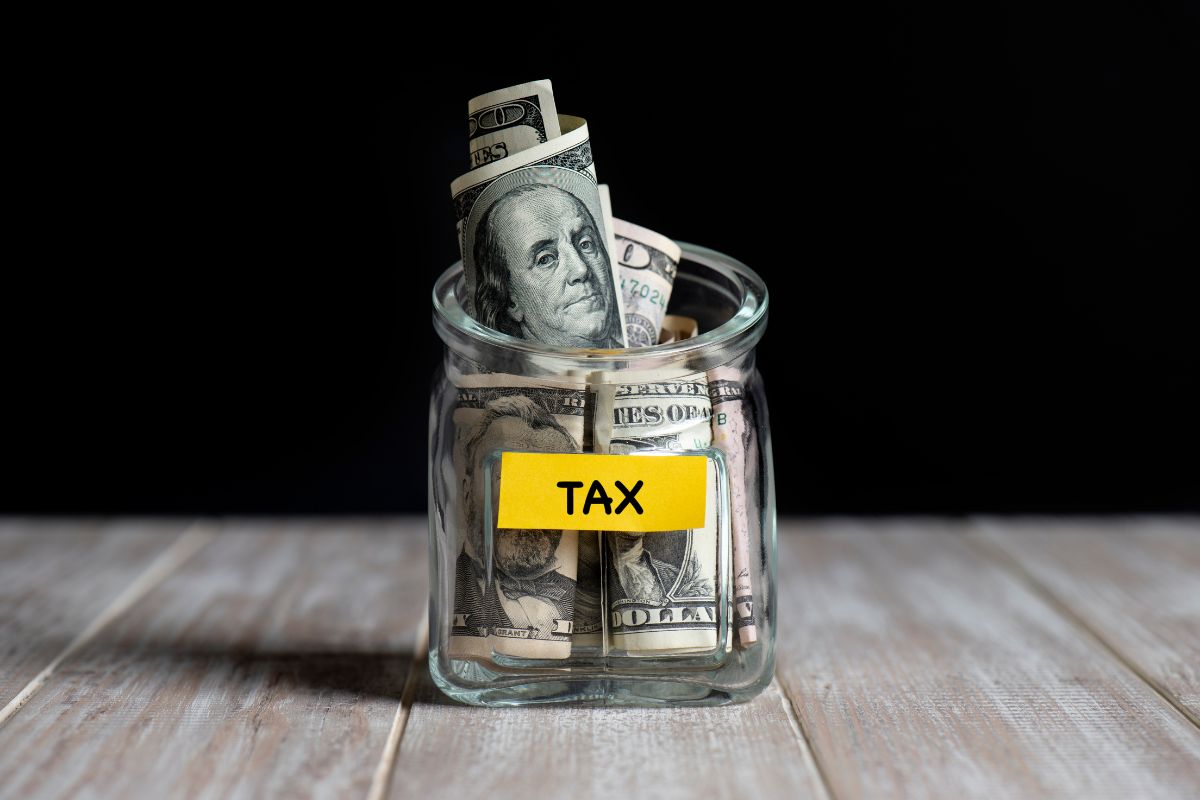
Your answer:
<point x="682" y="617"/>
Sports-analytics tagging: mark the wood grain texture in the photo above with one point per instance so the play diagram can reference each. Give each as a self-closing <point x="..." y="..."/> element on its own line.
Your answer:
<point x="921" y="668"/>
<point x="1135" y="583"/>
<point x="751" y="750"/>
<point x="920" y="662"/>
<point x="269" y="665"/>
<point x="56" y="577"/>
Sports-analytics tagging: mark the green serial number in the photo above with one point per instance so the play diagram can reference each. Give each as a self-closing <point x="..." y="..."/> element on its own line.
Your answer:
<point x="638" y="289"/>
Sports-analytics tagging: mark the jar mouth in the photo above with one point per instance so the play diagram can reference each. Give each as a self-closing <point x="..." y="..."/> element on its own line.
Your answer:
<point x="738" y="285"/>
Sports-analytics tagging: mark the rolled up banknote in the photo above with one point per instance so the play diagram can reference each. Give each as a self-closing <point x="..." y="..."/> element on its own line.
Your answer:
<point x="507" y="121"/>
<point x="732" y="434"/>
<point x="525" y="607"/>
<point x="535" y="249"/>
<point x="676" y="329"/>
<point x="648" y="262"/>
<point x="661" y="587"/>
<point x="606" y="210"/>
<point x="589" y="628"/>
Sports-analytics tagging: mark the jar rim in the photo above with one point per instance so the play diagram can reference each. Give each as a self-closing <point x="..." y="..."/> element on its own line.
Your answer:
<point x="733" y="337"/>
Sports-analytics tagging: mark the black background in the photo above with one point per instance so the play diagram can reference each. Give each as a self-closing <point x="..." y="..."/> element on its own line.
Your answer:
<point x="977" y="233"/>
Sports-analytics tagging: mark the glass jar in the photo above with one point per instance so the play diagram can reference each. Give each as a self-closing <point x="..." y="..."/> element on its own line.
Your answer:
<point x="613" y="617"/>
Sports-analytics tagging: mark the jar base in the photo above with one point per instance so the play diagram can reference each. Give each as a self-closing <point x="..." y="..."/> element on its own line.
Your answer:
<point x="583" y="690"/>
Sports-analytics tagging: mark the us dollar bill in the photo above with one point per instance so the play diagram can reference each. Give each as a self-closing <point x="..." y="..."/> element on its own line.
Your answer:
<point x="676" y="328"/>
<point x="661" y="587"/>
<point x="537" y="258"/>
<point x="648" y="262"/>
<point x="516" y="597"/>
<point x="507" y="121"/>
<point x="733" y="433"/>
<point x="606" y="211"/>
<point x="589" y="626"/>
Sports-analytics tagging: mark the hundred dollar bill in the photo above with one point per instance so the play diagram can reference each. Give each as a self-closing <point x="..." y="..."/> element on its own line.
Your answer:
<point x="522" y="606"/>
<point x="732" y="434"/>
<point x="606" y="211"/>
<point x="648" y="263"/>
<point x="661" y="588"/>
<point x="536" y="254"/>
<point x="507" y="121"/>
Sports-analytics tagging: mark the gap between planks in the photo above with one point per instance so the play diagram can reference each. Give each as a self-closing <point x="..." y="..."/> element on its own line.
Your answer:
<point x="1008" y="562"/>
<point x="195" y="537"/>
<point x="804" y="740"/>
<point x="382" y="779"/>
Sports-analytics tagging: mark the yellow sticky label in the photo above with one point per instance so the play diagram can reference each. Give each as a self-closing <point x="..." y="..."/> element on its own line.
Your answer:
<point x="574" y="491"/>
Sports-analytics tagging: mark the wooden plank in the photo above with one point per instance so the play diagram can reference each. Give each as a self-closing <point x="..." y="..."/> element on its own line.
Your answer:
<point x="269" y="665"/>
<point x="920" y="667"/>
<point x="747" y="750"/>
<point x="1135" y="583"/>
<point x="56" y="577"/>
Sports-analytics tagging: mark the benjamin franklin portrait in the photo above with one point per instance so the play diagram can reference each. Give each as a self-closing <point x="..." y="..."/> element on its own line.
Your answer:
<point x="541" y="265"/>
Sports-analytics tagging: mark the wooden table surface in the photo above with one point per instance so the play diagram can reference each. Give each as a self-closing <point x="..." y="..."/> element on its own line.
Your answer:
<point x="923" y="658"/>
